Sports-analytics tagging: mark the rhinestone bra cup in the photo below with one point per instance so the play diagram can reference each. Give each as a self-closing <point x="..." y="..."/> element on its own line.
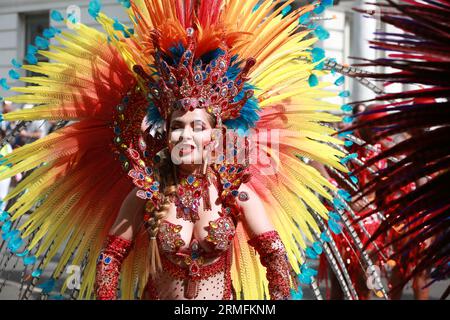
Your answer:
<point x="220" y="234"/>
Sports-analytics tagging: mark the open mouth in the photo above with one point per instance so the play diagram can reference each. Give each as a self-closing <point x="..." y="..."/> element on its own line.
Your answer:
<point x="186" y="149"/>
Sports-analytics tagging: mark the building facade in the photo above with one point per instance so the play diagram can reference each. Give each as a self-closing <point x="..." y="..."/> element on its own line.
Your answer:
<point x="22" y="20"/>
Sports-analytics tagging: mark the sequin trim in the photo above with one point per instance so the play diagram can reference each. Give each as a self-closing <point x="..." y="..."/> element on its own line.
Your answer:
<point x="108" y="268"/>
<point x="273" y="256"/>
<point x="223" y="264"/>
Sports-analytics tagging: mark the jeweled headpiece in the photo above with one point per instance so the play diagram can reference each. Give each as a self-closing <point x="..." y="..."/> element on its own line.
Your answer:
<point x="190" y="84"/>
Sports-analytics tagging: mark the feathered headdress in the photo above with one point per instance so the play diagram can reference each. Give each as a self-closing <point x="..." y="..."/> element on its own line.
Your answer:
<point x="258" y="64"/>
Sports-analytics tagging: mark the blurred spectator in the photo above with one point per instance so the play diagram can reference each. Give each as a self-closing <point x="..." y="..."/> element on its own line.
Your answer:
<point x="4" y="184"/>
<point x="35" y="130"/>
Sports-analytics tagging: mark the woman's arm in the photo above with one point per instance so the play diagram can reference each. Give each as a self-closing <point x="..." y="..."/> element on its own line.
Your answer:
<point x="117" y="246"/>
<point x="266" y="241"/>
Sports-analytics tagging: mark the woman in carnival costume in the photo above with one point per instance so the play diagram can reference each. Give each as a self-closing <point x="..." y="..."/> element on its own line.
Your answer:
<point x="159" y="180"/>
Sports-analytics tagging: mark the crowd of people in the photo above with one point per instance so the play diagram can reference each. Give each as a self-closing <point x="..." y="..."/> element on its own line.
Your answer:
<point x="31" y="132"/>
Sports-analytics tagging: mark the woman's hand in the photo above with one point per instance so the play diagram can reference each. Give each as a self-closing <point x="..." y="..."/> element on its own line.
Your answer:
<point x="117" y="246"/>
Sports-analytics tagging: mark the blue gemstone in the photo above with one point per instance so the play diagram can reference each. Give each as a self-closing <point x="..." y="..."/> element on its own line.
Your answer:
<point x="154" y="188"/>
<point x="227" y="185"/>
<point x="149" y="170"/>
<point x="235" y="193"/>
<point x="107" y="260"/>
<point x="148" y="194"/>
<point x="141" y="176"/>
<point x="194" y="255"/>
<point x="190" y="179"/>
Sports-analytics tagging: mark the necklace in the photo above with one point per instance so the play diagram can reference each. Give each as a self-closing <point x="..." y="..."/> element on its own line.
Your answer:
<point x="190" y="189"/>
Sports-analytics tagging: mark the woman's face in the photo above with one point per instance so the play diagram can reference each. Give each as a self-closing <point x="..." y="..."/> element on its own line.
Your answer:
<point x="189" y="133"/>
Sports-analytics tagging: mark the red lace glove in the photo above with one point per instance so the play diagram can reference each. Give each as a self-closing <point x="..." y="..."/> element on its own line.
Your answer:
<point x="272" y="254"/>
<point x="109" y="263"/>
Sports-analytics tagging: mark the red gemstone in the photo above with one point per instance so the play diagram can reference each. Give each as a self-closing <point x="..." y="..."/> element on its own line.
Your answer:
<point x="194" y="268"/>
<point x="197" y="194"/>
<point x="215" y="77"/>
<point x="139" y="183"/>
<point x="134" y="154"/>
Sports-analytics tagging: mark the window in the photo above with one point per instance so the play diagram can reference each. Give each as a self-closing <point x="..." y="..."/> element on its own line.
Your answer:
<point x="35" y="23"/>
